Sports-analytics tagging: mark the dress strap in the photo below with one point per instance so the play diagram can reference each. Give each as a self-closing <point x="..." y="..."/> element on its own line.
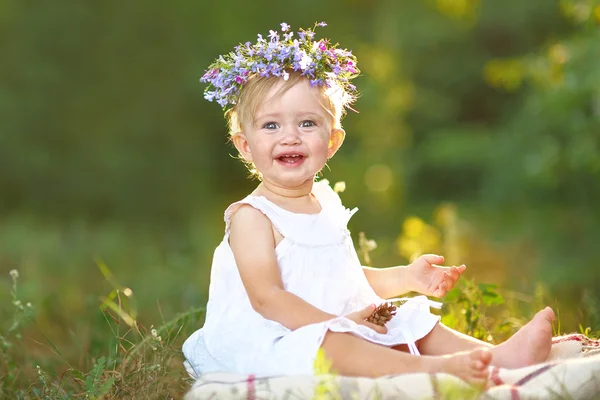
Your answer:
<point x="330" y="199"/>
<point x="326" y="195"/>
<point x="261" y="204"/>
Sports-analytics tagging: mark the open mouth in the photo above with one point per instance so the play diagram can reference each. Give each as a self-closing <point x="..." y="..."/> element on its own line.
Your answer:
<point x="291" y="159"/>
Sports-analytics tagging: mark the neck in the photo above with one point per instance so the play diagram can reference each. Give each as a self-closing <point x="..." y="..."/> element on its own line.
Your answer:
<point x="270" y="189"/>
<point x="295" y="199"/>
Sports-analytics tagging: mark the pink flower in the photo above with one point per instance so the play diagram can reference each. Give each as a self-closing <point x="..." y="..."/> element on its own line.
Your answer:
<point x="210" y="74"/>
<point x="350" y="67"/>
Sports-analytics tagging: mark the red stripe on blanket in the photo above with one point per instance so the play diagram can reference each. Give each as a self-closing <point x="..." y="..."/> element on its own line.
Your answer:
<point x="568" y="338"/>
<point x="251" y="387"/>
<point x="514" y="393"/>
<point x="532" y="375"/>
<point x="577" y="337"/>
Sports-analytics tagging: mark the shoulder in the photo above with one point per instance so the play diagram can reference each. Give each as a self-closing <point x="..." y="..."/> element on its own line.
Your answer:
<point x="245" y="213"/>
<point x="245" y="216"/>
<point x="250" y="232"/>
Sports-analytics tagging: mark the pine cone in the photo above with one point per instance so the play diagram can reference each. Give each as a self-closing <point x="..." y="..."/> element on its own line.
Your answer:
<point x="382" y="314"/>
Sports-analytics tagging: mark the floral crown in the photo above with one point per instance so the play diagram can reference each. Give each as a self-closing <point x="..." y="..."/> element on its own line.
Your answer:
<point x="323" y="63"/>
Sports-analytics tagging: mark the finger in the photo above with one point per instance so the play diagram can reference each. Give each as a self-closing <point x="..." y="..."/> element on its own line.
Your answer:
<point x="449" y="279"/>
<point x="457" y="271"/>
<point x="441" y="288"/>
<point x="440" y="291"/>
<point x="367" y="311"/>
<point x="453" y="273"/>
<point x="376" y="328"/>
<point x="432" y="258"/>
<point x="447" y="285"/>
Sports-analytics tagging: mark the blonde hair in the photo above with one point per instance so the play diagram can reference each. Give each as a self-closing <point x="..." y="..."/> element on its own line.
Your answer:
<point x="333" y="99"/>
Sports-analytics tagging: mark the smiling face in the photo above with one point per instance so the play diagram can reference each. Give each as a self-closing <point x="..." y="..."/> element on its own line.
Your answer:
<point x="291" y="137"/>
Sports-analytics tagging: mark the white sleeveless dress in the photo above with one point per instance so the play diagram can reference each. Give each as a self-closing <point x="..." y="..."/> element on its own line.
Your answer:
<point x="318" y="263"/>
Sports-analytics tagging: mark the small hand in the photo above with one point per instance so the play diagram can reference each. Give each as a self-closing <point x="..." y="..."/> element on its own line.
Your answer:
<point x="427" y="277"/>
<point x="360" y="317"/>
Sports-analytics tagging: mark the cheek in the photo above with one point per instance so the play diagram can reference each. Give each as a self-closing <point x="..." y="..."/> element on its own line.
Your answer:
<point x="321" y="147"/>
<point x="261" y="152"/>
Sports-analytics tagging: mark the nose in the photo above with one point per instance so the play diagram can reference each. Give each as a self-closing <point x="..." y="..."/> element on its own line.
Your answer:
<point x="290" y="137"/>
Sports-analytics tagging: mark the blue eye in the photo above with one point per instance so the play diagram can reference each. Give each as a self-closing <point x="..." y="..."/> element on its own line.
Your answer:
<point x="270" y="125"/>
<point x="307" y="124"/>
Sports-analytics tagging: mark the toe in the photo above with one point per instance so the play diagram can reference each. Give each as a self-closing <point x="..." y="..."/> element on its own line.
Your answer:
<point x="482" y="374"/>
<point x="547" y="313"/>
<point x="479" y="366"/>
<point x="486" y="357"/>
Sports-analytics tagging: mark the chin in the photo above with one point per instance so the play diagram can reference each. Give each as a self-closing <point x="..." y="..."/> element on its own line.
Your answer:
<point x="293" y="181"/>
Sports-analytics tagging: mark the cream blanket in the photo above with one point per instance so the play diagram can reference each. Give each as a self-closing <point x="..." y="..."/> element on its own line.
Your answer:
<point x="572" y="371"/>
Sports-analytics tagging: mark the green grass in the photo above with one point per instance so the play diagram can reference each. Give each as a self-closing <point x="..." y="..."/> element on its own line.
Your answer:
<point x="71" y="328"/>
<point x="137" y="361"/>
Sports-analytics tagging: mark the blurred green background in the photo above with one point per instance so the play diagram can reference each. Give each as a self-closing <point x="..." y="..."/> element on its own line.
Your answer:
<point x="477" y="136"/>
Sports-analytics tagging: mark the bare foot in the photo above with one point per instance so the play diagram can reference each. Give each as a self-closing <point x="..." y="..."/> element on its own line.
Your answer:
<point x="530" y="345"/>
<point x="470" y="366"/>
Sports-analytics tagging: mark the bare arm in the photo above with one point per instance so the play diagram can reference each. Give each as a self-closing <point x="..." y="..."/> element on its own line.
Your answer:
<point x="388" y="282"/>
<point x="251" y="240"/>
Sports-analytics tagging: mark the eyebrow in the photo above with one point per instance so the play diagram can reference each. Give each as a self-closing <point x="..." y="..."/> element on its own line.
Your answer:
<point x="268" y="115"/>
<point x="278" y="115"/>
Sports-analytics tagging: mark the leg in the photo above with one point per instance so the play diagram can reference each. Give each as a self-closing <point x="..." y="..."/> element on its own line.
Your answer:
<point x="444" y="340"/>
<point x="353" y="356"/>
<point x="530" y="345"/>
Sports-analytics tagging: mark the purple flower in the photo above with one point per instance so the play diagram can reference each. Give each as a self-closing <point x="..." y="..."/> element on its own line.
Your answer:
<point x="319" y="61"/>
<point x="209" y="74"/>
<point x="210" y="95"/>
<point x="350" y="67"/>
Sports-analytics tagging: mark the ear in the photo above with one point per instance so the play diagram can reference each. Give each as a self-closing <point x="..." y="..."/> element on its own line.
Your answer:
<point x="241" y="144"/>
<point x="336" y="138"/>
